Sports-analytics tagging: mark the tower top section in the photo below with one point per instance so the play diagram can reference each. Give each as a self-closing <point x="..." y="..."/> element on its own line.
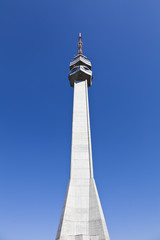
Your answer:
<point x="80" y="67"/>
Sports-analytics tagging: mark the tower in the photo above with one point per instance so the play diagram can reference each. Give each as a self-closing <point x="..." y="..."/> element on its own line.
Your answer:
<point x="82" y="216"/>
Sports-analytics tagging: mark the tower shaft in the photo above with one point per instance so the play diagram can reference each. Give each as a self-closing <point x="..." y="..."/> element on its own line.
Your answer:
<point x="81" y="153"/>
<point x="82" y="216"/>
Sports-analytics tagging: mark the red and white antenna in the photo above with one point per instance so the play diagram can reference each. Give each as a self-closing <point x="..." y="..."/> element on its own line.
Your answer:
<point x="80" y="45"/>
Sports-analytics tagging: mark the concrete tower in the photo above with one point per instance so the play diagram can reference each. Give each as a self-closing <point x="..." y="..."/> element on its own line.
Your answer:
<point x="82" y="216"/>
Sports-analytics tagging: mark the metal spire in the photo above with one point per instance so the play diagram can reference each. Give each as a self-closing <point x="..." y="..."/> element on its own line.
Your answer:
<point x="80" y="45"/>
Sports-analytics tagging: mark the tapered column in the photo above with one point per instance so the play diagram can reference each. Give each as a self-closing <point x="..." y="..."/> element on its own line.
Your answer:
<point x="82" y="216"/>
<point x="81" y="153"/>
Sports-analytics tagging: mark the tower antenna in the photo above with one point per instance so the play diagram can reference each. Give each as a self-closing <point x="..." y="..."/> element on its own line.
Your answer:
<point x="80" y="44"/>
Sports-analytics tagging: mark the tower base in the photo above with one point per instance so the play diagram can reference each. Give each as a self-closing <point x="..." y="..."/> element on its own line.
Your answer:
<point x="82" y="217"/>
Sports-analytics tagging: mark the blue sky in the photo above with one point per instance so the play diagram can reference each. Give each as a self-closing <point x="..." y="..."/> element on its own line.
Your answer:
<point x="38" y="39"/>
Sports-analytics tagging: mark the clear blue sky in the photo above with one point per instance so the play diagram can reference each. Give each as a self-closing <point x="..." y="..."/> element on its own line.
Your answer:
<point x="38" y="39"/>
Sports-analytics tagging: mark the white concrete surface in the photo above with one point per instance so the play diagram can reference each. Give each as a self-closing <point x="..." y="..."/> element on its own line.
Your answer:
<point x="82" y="216"/>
